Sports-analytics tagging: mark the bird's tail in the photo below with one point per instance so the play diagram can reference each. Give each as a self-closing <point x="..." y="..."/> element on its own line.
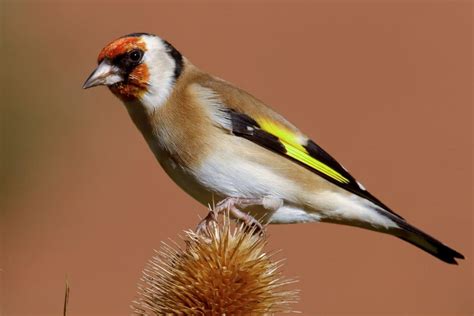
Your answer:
<point x="425" y="242"/>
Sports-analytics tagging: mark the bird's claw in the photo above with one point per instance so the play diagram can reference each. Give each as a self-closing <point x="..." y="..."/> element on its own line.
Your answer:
<point x="230" y="205"/>
<point x="204" y="223"/>
<point x="251" y="224"/>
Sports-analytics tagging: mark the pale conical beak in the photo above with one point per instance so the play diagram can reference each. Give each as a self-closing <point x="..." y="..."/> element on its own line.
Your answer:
<point x="105" y="74"/>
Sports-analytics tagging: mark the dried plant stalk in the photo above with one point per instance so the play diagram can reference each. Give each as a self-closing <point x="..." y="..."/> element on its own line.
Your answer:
<point x="226" y="272"/>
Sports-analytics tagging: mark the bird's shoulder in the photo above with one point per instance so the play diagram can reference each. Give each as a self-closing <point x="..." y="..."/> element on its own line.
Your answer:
<point x="225" y="96"/>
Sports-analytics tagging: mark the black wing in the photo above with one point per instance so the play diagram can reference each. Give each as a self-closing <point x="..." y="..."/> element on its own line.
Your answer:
<point x="249" y="128"/>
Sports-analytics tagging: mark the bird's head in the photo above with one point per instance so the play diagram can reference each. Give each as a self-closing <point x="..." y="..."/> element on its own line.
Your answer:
<point x="138" y="67"/>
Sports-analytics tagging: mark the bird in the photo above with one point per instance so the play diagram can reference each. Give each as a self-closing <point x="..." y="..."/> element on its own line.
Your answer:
<point x="217" y="142"/>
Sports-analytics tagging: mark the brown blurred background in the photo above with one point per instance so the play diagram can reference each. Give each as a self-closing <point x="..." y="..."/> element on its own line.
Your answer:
<point x="385" y="87"/>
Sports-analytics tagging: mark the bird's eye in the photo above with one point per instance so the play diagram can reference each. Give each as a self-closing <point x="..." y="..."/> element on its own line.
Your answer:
<point x="135" y="55"/>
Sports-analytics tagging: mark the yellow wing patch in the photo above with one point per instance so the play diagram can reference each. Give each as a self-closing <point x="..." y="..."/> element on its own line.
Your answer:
<point x="297" y="151"/>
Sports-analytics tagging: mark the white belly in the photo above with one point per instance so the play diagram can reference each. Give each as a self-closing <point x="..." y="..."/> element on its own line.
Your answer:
<point x="225" y="174"/>
<point x="229" y="174"/>
<point x="232" y="175"/>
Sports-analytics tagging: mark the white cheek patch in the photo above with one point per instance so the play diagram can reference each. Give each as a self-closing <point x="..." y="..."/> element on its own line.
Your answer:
<point x="161" y="70"/>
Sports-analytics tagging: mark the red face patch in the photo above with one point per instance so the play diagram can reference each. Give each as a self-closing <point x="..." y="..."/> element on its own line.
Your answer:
<point x="136" y="83"/>
<point x="121" y="46"/>
<point x="136" y="86"/>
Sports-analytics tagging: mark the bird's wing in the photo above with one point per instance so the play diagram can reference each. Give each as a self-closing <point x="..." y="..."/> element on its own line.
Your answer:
<point x="251" y="119"/>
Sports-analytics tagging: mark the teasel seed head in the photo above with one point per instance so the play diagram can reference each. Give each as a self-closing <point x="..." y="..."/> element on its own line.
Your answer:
<point x="224" y="271"/>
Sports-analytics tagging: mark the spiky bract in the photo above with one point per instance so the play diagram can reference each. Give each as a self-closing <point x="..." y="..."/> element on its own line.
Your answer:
<point x="225" y="271"/>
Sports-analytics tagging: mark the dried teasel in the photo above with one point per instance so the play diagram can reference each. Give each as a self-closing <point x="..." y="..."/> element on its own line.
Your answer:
<point x="224" y="271"/>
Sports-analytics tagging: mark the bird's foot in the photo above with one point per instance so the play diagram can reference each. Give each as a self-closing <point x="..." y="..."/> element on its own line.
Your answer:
<point x="251" y="224"/>
<point x="204" y="223"/>
<point x="232" y="205"/>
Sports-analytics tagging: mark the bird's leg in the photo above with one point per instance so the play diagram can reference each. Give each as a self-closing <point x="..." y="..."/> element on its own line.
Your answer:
<point x="249" y="221"/>
<point x="231" y="204"/>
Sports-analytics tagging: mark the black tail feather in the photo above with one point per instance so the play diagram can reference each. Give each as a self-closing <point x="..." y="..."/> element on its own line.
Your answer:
<point x="427" y="243"/>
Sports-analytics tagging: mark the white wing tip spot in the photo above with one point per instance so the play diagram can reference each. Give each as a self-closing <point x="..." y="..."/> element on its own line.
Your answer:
<point x="361" y="186"/>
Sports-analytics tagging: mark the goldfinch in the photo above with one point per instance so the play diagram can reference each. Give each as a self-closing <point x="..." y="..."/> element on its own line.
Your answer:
<point x="219" y="143"/>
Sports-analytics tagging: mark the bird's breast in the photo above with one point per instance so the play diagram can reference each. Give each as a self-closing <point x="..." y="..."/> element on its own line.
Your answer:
<point x="185" y="179"/>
